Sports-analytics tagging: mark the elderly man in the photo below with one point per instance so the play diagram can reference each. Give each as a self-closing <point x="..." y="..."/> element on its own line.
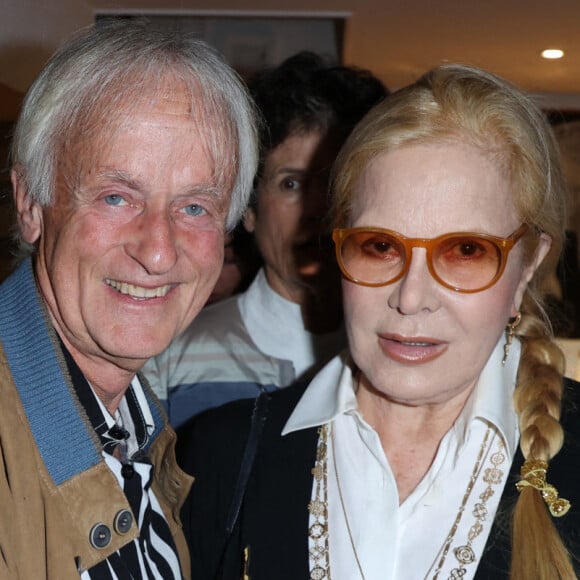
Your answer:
<point x="134" y="153"/>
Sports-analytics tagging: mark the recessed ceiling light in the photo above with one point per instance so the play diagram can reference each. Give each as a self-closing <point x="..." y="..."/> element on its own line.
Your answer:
<point x="552" y="53"/>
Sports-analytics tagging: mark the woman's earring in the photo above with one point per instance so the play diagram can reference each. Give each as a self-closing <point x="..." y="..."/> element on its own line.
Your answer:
<point x="509" y="335"/>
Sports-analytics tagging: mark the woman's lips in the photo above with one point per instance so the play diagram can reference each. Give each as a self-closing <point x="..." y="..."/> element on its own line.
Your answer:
<point x="413" y="350"/>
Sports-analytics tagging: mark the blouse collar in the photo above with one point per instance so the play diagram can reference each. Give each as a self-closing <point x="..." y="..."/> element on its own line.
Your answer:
<point x="332" y="393"/>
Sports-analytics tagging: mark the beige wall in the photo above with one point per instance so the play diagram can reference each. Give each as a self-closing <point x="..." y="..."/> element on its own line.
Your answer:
<point x="396" y="40"/>
<point x="30" y="31"/>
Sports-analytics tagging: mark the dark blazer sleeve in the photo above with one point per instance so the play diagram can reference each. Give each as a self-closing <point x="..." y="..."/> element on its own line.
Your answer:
<point x="210" y="448"/>
<point x="275" y="518"/>
<point x="274" y="515"/>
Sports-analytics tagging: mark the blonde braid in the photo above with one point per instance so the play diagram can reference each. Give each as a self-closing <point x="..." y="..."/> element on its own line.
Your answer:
<point x="537" y="549"/>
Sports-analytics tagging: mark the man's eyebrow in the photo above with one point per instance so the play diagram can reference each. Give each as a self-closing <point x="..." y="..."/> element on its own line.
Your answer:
<point x="120" y="176"/>
<point x="205" y="189"/>
<point x="123" y="177"/>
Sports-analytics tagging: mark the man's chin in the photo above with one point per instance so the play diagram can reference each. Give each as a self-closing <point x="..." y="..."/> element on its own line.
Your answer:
<point x="133" y="356"/>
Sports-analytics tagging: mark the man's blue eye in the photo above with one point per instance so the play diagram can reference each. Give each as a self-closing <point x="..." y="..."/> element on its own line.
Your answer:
<point x="113" y="199"/>
<point x="194" y="209"/>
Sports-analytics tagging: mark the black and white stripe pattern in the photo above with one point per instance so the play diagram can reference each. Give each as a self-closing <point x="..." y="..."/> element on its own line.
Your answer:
<point x="152" y="555"/>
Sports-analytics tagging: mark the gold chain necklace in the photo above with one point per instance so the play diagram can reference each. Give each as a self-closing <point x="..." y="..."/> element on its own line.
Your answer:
<point x="318" y="508"/>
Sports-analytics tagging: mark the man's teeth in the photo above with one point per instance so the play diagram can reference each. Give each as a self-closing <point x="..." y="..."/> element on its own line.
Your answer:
<point x="139" y="291"/>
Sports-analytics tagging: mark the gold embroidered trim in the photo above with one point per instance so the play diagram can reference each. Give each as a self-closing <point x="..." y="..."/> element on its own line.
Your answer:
<point x="492" y="476"/>
<point x="318" y="508"/>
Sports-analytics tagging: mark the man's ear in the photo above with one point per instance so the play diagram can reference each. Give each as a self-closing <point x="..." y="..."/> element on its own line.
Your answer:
<point x="28" y="212"/>
<point x="544" y="245"/>
<point x="250" y="220"/>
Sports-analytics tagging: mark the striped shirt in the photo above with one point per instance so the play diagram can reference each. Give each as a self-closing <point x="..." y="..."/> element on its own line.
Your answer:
<point x="153" y="554"/>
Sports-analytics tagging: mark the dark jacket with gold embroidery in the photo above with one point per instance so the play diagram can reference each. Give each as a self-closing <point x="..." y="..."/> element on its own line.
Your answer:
<point x="273" y="520"/>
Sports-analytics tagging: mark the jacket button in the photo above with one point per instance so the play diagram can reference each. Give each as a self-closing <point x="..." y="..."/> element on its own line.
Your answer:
<point x="123" y="521"/>
<point x="100" y="536"/>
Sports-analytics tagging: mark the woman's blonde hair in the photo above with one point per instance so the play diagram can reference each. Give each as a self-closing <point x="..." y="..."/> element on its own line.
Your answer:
<point x="459" y="103"/>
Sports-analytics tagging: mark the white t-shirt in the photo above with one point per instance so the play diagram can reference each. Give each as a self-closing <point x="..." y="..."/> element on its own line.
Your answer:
<point x="277" y="328"/>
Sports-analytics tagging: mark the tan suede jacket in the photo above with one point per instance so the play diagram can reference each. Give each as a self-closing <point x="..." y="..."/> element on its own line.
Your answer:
<point x="45" y="529"/>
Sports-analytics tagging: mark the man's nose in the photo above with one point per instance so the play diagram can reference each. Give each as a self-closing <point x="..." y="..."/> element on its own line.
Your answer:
<point x="152" y="241"/>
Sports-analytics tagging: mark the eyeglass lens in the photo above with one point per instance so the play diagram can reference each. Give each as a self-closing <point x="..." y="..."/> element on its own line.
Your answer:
<point x="465" y="262"/>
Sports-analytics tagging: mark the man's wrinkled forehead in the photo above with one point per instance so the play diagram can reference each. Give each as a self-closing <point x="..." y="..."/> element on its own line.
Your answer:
<point x="115" y="110"/>
<point x="169" y="103"/>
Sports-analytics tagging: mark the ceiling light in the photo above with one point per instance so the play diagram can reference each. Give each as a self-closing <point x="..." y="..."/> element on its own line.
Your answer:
<point x="552" y="53"/>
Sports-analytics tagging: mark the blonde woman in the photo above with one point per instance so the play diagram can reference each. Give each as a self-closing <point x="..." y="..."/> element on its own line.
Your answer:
<point x="405" y="456"/>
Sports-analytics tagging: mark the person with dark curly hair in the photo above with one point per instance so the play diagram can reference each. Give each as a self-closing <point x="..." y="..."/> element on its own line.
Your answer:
<point x="288" y="323"/>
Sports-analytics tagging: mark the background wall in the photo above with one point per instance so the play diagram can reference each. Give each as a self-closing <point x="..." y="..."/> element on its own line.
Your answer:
<point x="30" y="30"/>
<point x="396" y="39"/>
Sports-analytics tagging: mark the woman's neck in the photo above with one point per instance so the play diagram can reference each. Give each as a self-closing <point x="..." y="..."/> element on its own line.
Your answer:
<point x="410" y="434"/>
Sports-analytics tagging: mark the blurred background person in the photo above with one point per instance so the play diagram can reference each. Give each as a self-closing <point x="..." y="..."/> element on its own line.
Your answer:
<point x="288" y="323"/>
<point x="405" y="456"/>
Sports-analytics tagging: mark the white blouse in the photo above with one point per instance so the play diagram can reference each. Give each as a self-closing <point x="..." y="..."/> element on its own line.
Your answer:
<point x="371" y="535"/>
